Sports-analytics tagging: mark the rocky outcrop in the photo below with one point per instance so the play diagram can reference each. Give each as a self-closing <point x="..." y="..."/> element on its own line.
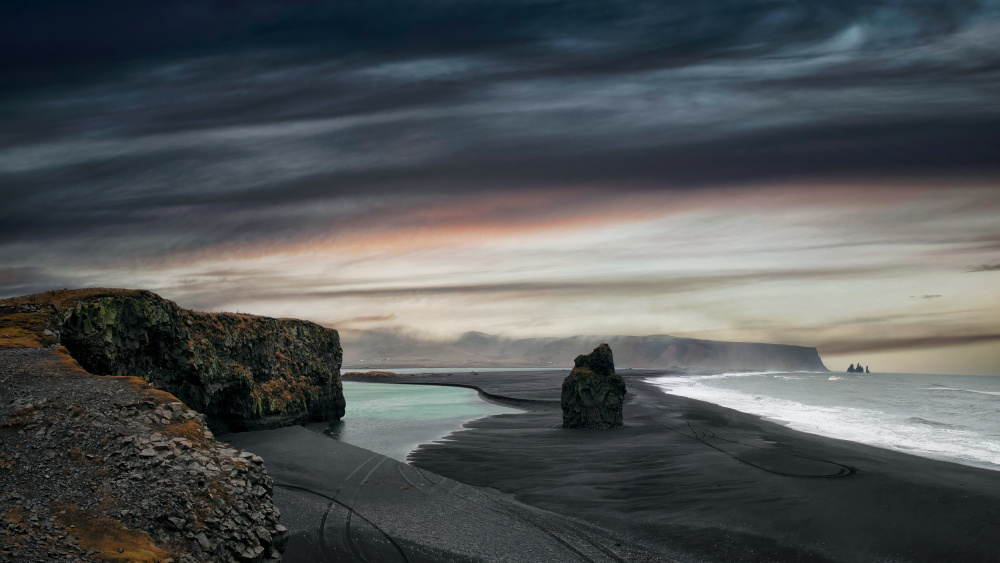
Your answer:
<point x="108" y="468"/>
<point x="593" y="394"/>
<point x="243" y="372"/>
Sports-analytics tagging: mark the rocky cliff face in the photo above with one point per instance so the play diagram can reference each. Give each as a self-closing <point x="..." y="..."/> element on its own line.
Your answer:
<point x="108" y="468"/>
<point x="242" y="371"/>
<point x="593" y="394"/>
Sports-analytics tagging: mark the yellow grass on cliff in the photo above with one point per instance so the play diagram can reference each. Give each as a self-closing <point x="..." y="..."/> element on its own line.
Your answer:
<point x="63" y="298"/>
<point x="64" y="364"/>
<point x="110" y="539"/>
<point x="276" y="395"/>
<point x="23" y="330"/>
<point x="27" y="330"/>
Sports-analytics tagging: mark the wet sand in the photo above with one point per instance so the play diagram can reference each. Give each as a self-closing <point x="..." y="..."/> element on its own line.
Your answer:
<point x="683" y="480"/>
<point x="342" y="504"/>
<point x="708" y="483"/>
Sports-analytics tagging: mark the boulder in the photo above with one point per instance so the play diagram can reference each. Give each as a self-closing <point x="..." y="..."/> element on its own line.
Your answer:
<point x="593" y="394"/>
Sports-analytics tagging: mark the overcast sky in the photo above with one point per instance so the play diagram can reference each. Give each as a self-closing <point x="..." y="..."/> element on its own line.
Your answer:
<point x="821" y="173"/>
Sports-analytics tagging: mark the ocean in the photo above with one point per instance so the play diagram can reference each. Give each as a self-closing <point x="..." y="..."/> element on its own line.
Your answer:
<point x="393" y="419"/>
<point x="948" y="417"/>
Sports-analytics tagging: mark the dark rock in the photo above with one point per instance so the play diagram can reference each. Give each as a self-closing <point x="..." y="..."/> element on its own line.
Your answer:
<point x="203" y="541"/>
<point x="243" y="371"/>
<point x="116" y="474"/>
<point x="600" y="361"/>
<point x="593" y="394"/>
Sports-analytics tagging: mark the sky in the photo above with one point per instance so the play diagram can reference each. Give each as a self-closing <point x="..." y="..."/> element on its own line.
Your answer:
<point x="821" y="173"/>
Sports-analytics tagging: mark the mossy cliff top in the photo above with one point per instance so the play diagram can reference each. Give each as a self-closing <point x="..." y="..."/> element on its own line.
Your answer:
<point x="243" y="371"/>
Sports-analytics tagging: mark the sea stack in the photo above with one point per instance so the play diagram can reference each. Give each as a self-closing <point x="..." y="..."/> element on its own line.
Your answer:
<point x="593" y="394"/>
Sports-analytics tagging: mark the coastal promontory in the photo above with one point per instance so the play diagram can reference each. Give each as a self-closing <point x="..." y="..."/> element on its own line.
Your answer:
<point x="243" y="372"/>
<point x="105" y="448"/>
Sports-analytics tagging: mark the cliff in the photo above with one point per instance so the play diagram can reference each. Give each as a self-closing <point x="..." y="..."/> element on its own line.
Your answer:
<point x="110" y="469"/>
<point x="243" y="372"/>
<point x="376" y="350"/>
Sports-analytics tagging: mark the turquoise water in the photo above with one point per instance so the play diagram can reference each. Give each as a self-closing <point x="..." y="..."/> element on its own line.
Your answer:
<point x="393" y="419"/>
<point x="466" y="369"/>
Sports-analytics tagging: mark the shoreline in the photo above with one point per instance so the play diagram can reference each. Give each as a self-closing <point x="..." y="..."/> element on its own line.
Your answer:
<point x="344" y="503"/>
<point x="756" y="486"/>
<point x="394" y="421"/>
<point x="495" y="398"/>
<point x="898" y="422"/>
<point x="645" y="375"/>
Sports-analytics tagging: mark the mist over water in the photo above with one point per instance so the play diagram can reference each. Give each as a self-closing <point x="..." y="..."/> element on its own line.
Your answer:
<point x="947" y="417"/>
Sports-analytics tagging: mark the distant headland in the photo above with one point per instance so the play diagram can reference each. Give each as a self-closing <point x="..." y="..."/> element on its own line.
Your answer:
<point x="388" y="349"/>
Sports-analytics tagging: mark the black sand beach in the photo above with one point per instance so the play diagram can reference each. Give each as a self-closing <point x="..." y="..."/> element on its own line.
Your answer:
<point x="683" y="480"/>
<point x="344" y="503"/>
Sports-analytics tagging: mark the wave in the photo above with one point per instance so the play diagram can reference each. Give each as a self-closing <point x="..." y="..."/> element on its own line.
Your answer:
<point x="728" y="374"/>
<point x="918" y="420"/>
<point x="873" y="427"/>
<point x="996" y="393"/>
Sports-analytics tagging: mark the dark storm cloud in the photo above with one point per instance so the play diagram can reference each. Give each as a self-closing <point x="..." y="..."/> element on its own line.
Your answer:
<point x="26" y="280"/>
<point x="571" y="288"/>
<point x="45" y="36"/>
<point x="225" y="191"/>
<point x="986" y="268"/>
<point x="138" y="129"/>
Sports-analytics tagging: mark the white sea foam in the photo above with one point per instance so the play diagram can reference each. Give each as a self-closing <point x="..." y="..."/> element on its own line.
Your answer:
<point x="997" y="393"/>
<point x="914" y="435"/>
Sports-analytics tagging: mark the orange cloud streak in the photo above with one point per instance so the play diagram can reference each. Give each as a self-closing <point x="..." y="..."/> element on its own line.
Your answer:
<point x="488" y="216"/>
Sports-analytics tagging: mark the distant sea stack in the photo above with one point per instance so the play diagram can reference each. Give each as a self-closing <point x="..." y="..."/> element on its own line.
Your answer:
<point x="243" y="371"/>
<point x="593" y="394"/>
